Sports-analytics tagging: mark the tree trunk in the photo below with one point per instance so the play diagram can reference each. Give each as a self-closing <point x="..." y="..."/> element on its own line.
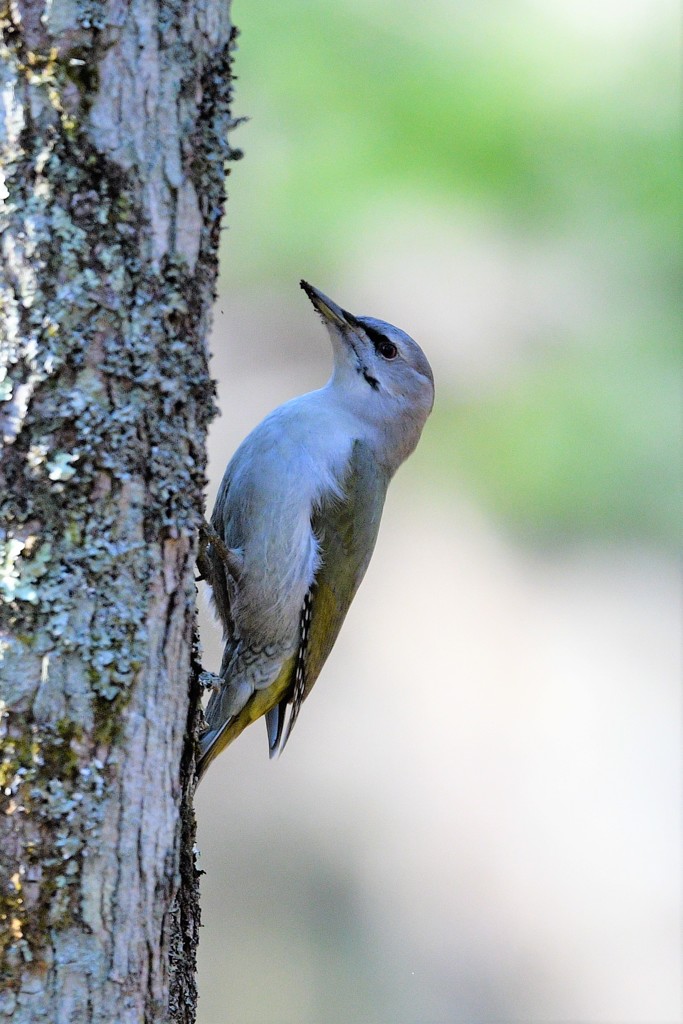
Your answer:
<point x="113" y="139"/>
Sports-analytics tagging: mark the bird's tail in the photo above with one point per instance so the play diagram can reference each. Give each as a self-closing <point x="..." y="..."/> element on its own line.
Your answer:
<point x="212" y="741"/>
<point x="235" y="706"/>
<point x="224" y="721"/>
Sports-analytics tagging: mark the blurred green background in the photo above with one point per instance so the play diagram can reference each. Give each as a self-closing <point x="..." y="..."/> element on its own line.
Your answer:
<point x="483" y="823"/>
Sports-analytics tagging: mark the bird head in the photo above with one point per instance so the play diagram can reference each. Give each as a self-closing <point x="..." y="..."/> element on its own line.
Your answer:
<point x="380" y="372"/>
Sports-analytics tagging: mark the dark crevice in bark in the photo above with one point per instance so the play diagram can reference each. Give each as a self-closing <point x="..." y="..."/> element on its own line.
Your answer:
<point x="186" y="912"/>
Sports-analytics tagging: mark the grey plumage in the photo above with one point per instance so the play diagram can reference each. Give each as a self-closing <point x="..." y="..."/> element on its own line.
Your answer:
<point x="298" y="510"/>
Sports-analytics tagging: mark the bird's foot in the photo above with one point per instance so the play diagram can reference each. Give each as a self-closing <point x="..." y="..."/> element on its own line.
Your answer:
<point x="232" y="560"/>
<point x="210" y="681"/>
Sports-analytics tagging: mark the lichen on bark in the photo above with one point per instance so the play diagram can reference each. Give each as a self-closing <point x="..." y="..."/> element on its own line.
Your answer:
<point x="113" y="140"/>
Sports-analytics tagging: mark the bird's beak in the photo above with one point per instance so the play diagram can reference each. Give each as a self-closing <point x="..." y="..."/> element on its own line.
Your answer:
<point x="328" y="309"/>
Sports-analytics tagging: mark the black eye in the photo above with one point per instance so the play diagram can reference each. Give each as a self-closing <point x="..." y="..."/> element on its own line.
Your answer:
<point x="387" y="349"/>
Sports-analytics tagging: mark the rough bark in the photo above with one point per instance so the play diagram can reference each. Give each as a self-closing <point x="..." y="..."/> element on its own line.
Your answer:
<point x="113" y="140"/>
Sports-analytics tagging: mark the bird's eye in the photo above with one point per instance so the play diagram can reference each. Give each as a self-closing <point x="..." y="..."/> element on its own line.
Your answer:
<point x="383" y="346"/>
<point x="387" y="349"/>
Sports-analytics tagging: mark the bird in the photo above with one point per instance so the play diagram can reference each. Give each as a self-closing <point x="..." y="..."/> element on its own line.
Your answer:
<point x="296" y="519"/>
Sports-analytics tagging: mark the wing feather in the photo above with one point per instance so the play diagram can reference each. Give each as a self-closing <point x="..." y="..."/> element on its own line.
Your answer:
<point x="346" y="528"/>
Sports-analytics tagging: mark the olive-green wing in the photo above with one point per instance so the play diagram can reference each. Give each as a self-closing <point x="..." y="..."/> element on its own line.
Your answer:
<point x="346" y="528"/>
<point x="262" y="702"/>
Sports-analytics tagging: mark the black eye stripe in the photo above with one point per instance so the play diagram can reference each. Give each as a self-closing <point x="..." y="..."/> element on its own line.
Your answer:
<point x="375" y="336"/>
<point x="383" y="345"/>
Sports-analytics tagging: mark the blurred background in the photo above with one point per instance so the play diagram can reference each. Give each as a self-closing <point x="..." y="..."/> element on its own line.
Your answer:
<point x="478" y="817"/>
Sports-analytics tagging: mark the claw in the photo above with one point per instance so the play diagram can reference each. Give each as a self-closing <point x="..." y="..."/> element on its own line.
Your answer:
<point x="232" y="559"/>
<point x="210" y="681"/>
